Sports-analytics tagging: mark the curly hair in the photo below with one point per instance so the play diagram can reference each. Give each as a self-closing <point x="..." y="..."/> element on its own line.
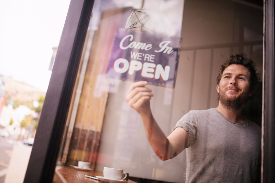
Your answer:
<point x="241" y="59"/>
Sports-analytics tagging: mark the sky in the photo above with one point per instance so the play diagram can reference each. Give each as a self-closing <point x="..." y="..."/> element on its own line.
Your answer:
<point x="29" y="29"/>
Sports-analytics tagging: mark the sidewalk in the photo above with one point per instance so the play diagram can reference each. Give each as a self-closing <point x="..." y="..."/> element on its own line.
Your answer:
<point x="18" y="163"/>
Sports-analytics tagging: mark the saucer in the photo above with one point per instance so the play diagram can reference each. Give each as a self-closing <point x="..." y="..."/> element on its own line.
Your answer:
<point x="82" y="169"/>
<point x="109" y="180"/>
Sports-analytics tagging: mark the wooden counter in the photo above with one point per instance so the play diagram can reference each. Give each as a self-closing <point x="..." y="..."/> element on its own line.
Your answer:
<point x="65" y="174"/>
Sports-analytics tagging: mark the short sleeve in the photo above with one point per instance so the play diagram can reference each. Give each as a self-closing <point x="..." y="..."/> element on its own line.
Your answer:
<point x="189" y="123"/>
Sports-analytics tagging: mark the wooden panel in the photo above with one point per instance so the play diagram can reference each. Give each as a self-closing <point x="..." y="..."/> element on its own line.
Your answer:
<point x="201" y="80"/>
<point x="90" y="115"/>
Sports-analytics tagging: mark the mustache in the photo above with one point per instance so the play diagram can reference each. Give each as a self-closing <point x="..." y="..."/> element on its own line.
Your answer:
<point x="233" y="87"/>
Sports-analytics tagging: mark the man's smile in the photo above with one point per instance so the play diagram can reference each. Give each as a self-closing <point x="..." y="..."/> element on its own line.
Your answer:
<point x="233" y="89"/>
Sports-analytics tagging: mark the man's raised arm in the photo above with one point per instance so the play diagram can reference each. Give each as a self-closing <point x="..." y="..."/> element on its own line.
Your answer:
<point x="138" y="97"/>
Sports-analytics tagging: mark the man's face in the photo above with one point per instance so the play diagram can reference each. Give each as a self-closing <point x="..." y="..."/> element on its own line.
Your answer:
<point x="234" y="85"/>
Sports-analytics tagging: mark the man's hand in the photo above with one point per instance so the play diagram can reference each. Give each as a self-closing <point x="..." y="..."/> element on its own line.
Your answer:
<point x="138" y="97"/>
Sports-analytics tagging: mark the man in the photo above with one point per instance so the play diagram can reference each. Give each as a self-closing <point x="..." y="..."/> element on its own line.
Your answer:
<point x="222" y="145"/>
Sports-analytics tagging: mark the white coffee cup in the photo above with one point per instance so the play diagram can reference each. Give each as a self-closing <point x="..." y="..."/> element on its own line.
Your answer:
<point x="83" y="164"/>
<point x="115" y="174"/>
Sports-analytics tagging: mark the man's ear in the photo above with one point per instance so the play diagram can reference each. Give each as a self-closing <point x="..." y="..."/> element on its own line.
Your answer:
<point x="218" y="89"/>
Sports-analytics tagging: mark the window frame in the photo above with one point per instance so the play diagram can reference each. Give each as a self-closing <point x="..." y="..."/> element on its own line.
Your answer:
<point x="48" y="138"/>
<point x="49" y="133"/>
<point x="268" y="130"/>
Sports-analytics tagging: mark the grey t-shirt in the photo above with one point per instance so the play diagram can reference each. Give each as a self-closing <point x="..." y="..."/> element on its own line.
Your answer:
<point x="221" y="150"/>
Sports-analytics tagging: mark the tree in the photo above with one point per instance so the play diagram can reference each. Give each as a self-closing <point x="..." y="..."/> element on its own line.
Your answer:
<point x="36" y="123"/>
<point x="17" y="103"/>
<point x="27" y="121"/>
<point x="11" y="121"/>
<point x="41" y="102"/>
<point x="23" y="123"/>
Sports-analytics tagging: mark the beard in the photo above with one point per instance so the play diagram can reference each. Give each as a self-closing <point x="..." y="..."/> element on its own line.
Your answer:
<point x="233" y="103"/>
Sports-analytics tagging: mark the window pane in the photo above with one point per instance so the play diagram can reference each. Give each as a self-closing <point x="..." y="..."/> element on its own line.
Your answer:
<point x="177" y="47"/>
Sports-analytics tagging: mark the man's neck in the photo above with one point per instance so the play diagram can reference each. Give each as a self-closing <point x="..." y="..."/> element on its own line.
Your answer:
<point x="233" y="115"/>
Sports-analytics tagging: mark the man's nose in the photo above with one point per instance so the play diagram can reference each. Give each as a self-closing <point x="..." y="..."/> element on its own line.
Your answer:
<point x="233" y="81"/>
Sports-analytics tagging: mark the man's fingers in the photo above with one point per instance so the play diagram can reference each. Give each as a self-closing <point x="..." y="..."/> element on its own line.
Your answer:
<point x="137" y="84"/>
<point x="136" y="91"/>
<point x="141" y="101"/>
<point x="139" y="96"/>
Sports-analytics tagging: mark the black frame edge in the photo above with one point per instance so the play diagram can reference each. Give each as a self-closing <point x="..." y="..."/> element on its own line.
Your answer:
<point x="268" y="164"/>
<point x="45" y="150"/>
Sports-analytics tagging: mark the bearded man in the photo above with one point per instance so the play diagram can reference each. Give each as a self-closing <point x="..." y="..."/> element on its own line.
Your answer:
<point x="221" y="144"/>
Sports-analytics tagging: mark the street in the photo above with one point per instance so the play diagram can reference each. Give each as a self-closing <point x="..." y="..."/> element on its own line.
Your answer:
<point x="6" y="148"/>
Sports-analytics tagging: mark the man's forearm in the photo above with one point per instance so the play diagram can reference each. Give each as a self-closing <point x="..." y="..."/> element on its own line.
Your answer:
<point x="157" y="139"/>
<point x="138" y="97"/>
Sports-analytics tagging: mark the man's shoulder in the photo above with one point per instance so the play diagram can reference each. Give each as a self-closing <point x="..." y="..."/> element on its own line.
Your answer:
<point x="196" y="116"/>
<point x="203" y="112"/>
<point x="253" y="125"/>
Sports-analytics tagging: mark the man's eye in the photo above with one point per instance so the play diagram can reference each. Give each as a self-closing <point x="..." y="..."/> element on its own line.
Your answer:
<point x="242" y="78"/>
<point x="226" y="77"/>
